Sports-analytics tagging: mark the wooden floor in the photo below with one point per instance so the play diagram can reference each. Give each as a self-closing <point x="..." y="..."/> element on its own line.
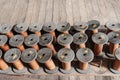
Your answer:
<point x="42" y="11"/>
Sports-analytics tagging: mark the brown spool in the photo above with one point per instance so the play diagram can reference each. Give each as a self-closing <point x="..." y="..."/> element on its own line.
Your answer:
<point x="36" y="47"/>
<point x="82" y="45"/>
<point x="66" y="66"/>
<point x="67" y="46"/>
<point x="38" y="33"/>
<point x="50" y="64"/>
<point x="83" y="66"/>
<point x="9" y="34"/>
<point x="65" y="32"/>
<point x="24" y="34"/>
<point x="21" y="47"/>
<point x="18" y="65"/>
<point x="54" y="35"/>
<point x="50" y="46"/>
<point x="113" y="47"/>
<point x="116" y="65"/>
<point x="3" y="65"/>
<point x="5" y="47"/>
<point x="98" y="49"/>
<point x="34" y="65"/>
<point x="95" y="31"/>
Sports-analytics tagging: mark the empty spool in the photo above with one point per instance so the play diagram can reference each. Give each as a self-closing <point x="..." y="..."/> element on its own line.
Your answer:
<point x="13" y="56"/>
<point x="114" y="39"/>
<point x="46" y="40"/>
<point x="115" y="65"/>
<point x="3" y="41"/>
<point x="99" y="39"/>
<point x="6" y="29"/>
<point x="4" y="68"/>
<point x="81" y="26"/>
<point x="63" y="27"/>
<point x="21" y="28"/>
<point x="65" y="56"/>
<point x="65" y="40"/>
<point x="84" y="56"/>
<point x="29" y="56"/>
<point x="17" y="41"/>
<point x="93" y="25"/>
<point x="32" y="41"/>
<point x="50" y="27"/>
<point x="80" y="39"/>
<point x="45" y="56"/>
<point x="35" y="28"/>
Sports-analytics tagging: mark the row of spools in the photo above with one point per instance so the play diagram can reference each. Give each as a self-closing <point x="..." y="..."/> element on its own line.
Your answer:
<point x="25" y="48"/>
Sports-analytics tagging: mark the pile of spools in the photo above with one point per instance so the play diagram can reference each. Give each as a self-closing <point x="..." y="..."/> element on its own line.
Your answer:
<point x="51" y="48"/>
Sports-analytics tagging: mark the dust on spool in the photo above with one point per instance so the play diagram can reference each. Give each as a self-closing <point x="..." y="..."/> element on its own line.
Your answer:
<point x="114" y="39"/>
<point x="93" y="25"/>
<point x="63" y="27"/>
<point x="28" y="56"/>
<point x="80" y="26"/>
<point x="66" y="55"/>
<point x="6" y="29"/>
<point x="84" y="56"/>
<point x="99" y="39"/>
<point x="112" y="26"/>
<point x="13" y="56"/>
<point x="50" y="27"/>
<point x="17" y="41"/>
<point x="46" y="40"/>
<point x="35" y="28"/>
<point x="21" y="28"/>
<point x="65" y="40"/>
<point x="80" y="39"/>
<point x="32" y="41"/>
<point x="3" y="65"/>
<point x="3" y="41"/>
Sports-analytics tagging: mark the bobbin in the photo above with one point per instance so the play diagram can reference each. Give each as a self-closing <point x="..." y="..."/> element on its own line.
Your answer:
<point x="46" y="40"/>
<point x="31" y="41"/>
<point x="114" y="67"/>
<point x="21" y="28"/>
<point x="81" y="26"/>
<point x="50" y="27"/>
<point x="3" y="41"/>
<point x="4" y="68"/>
<point x="99" y="39"/>
<point x="112" y="26"/>
<point x="45" y="56"/>
<point x="6" y="29"/>
<point x="17" y="41"/>
<point x="35" y="28"/>
<point x="93" y="25"/>
<point x="28" y="56"/>
<point x="65" y="40"/>
<point x="80" y="39"/>
<point x="13" y="56"/>
<point x="65" y="56"/>
<point x="114" y="39"/>
<point x="63" y="27"/>
<point x="84" y="56"/>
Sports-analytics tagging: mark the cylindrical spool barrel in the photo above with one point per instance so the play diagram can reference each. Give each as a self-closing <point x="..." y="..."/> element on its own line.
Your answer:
<point x="80" y="39"/>
<point x="99" y="39"/>
<point x="93" y="25"/>
<point x="65" y="40"/>
<point x="32" y="41"/>
<point x="17" y="41"/>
